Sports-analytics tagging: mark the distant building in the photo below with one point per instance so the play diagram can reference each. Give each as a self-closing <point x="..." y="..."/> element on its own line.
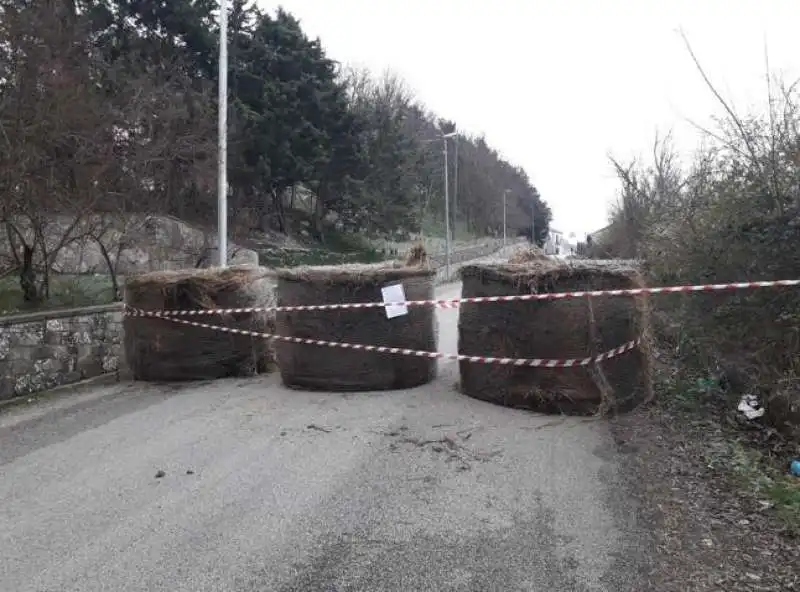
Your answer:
<point x="558" y="245"/>
<point x="554" y="238"/>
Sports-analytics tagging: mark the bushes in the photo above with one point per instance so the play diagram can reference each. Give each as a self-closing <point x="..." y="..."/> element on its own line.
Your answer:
<point x="733" y="215"/>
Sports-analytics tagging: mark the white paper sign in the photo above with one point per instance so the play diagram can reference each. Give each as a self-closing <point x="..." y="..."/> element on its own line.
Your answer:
<point x="394" y="293"/>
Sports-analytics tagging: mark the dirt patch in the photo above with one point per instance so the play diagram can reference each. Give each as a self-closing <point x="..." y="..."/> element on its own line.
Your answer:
<point x="710" y="532"/>
<point x="452" y="448"/>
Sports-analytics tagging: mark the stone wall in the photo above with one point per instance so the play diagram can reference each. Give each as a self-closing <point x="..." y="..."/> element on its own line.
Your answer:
<point x="459" y="258"/>
<point x="39" y="351"/>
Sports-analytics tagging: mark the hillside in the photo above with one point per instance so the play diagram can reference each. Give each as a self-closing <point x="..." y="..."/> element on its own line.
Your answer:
<point x="113" y="124"/>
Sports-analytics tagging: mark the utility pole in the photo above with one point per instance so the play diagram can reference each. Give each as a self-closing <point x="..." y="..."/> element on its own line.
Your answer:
<point x="455" y="191"/>
<point x="533" y="222"/>
<point x="222" y="163"/>
<point x="505" y="210"/>
<point x="446" y="211"/>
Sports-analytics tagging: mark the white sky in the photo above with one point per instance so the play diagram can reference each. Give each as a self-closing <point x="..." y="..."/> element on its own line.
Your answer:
<point x="556" y="85"/>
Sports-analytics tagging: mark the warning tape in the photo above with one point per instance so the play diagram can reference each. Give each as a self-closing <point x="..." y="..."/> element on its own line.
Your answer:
<point x="456" y="302"/>
<point x="536" y="363"/>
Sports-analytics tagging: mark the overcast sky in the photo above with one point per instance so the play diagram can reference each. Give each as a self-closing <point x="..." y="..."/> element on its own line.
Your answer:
<point x="557" y="85"/>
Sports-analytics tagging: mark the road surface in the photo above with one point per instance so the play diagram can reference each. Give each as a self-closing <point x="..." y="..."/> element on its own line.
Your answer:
<point x="267" y="489"/>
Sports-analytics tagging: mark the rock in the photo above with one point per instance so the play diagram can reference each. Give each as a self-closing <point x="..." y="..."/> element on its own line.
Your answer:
<point x="155" y="243"/>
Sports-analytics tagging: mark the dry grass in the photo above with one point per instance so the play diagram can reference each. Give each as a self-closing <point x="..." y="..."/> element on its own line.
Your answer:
<point x="526" y="255"/>
<point x="417" y="256"/>
<point x="356" y="274"/>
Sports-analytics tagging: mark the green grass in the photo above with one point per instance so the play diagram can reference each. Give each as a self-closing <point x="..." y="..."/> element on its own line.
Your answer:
<point x="337" y="248"/>
<point x="66" y="291"/>
<point x="697" y="396"/>
<point x="273" y="258"/>
<point x="760" y="477"/>
<point x="432" y="226"/>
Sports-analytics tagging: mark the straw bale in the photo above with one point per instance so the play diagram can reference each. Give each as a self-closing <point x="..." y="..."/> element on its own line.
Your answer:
<point x="162" y="350"/>
<point x="555" y="329"/>
<point x="335" y="369"/>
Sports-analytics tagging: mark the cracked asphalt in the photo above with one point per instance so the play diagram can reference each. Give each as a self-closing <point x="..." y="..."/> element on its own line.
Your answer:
<point x="243" y="485"/>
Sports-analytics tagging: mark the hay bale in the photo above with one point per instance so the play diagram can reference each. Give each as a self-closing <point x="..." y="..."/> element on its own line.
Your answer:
<point x="555" y="329"/>
<point x="161" y="350"/>
<point x="335" y="369"/>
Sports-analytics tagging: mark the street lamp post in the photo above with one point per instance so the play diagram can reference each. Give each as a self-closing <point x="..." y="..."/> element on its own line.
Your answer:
<point x="455" y="191"/>
<point x="505" y="210"/>
<point x="446" y="207"/>
<point x="222" y="162"/>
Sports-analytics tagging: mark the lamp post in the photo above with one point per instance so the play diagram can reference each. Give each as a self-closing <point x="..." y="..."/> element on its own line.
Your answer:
<point x="455" y="190"/>
<point x="505" y="210"/>
<point x="222" y="158"/>
<point x="446" y="207"/>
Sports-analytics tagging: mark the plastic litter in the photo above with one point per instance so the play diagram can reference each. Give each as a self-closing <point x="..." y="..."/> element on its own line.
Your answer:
<point x="751" y="407"/>
<point x="794" y="468"/>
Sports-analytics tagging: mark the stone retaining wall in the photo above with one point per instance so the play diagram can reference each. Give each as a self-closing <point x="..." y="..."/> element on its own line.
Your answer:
<point x="39" y="351"/>
<point x="469" y="255"/>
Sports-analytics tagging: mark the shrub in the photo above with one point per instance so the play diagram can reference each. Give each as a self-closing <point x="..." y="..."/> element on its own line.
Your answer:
<point x="733" y="215"/>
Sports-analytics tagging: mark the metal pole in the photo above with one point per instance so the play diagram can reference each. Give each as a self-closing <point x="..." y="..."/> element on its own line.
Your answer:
<point x="222" y="174"/>
<point x="455" y="190"/>
<point x="505" y="239"/>
<point x="446" y="215"/>
<point x="533" y="222"/>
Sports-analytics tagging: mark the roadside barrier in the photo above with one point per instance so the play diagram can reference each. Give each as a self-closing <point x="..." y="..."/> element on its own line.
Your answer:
<point x="170" y="315"/>
<point x="456" y="302"/>
<point x="536" y="363"/>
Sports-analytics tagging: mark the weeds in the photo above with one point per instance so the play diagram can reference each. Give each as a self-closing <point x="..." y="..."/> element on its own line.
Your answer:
<point x="758" y="476"/>
<point x="753" y="455"/>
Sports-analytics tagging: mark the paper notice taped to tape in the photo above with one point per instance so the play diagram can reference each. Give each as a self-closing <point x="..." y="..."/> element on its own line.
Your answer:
<point x="392" y="295"/>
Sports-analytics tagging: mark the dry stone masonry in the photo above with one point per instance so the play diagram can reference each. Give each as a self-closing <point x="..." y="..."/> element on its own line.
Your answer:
<point x="44" y="350"/>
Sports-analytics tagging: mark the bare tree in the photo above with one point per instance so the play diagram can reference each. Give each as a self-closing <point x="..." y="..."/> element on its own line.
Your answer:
<point x="87" y="144"/>
<point x="56" y="155"/>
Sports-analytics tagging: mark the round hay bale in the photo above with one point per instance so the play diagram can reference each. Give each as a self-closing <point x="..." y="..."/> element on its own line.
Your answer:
<point x="335" y="369"/>
<point x="162" y="350"/>
<point x="555" y="329"/>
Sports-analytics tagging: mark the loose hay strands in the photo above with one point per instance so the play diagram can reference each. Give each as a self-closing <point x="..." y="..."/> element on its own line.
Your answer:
<point x="556" y="329"/>
<point x="417" y="256"/>
<point x="161" y="351"/>
<point x="527" y="254"/>
<point x="305" y="366"/>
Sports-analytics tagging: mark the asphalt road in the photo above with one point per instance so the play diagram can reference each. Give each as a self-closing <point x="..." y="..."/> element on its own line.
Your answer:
<point x="267" y="489"/>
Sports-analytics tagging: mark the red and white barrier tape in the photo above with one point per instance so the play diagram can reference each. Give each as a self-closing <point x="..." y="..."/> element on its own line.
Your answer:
<point x="456" y="302"/>
<point x="536" y="363"/>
